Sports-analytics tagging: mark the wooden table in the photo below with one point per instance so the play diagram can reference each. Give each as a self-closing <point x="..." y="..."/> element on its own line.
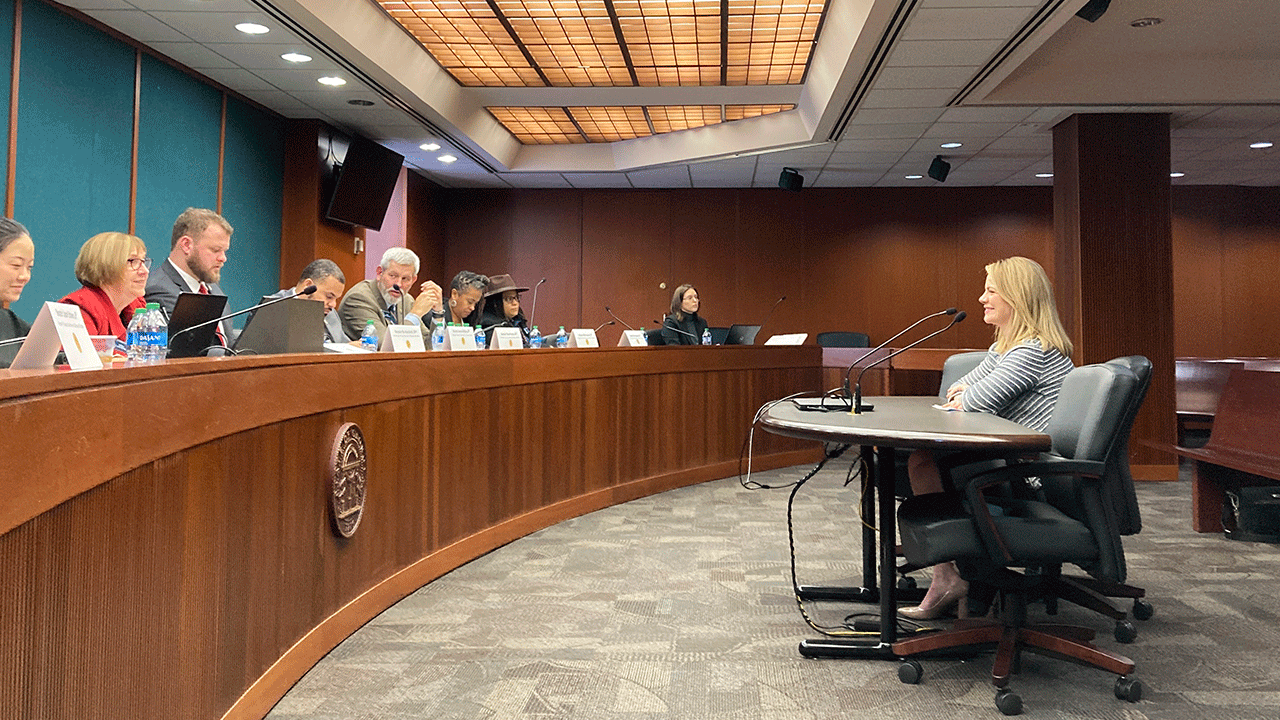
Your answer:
<point x="897" y="422"/>
<point x="165" y="538"/>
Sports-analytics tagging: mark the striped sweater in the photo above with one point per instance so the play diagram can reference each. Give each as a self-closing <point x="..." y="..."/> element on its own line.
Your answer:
<point x="1021" y="385"/>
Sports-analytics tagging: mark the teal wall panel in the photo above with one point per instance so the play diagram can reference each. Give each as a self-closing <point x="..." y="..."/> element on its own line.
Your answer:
<point x="75" y="139"/>
<point x="6" y="52"/>
<point x="252" y="201"/>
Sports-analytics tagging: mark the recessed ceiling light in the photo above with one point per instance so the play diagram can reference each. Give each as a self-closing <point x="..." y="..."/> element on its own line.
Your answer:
<point x="253" y="28"/>
<point x="1176" y="174"/>
<point x="913" y="177"/>
<point x="447" y="159"/>
<point x="360" y="102"/>
<point x="1260" y="145"/>
<point x="1146" y="22"/>
<point x="294" y="57"/>
<point x="951" y="145"/>
<point x="1044" y="175"/>
<point x="332" y="81"/>
<point x="430" y="147"/>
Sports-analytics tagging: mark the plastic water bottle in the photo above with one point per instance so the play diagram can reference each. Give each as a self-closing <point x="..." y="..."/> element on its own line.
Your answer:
<point x="437" y="335"/>
<point x="562" y="338"/>
<point x="535" y="339"/>
<point x="154" y="333"/>
<point x="369" y="338"/>
<point x="479" y="337"/>
<point x="133" y="338"/>
<point x="644" y="336"/>
<point x="706" y="336"/>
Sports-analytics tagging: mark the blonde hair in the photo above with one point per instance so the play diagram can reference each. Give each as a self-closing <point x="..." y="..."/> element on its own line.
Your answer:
<point x="194" y="221"/>
<point x="103" y="257"/>
<point x="1023" y="284"/>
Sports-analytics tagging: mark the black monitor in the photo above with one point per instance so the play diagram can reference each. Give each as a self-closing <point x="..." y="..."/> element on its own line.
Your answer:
<point x="194" y="309"/>
<point x="366" y="180"/>
<point x="742" y="335"/>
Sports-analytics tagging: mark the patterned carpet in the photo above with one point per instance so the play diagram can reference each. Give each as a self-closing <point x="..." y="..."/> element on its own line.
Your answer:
<point x="679" y="606"/>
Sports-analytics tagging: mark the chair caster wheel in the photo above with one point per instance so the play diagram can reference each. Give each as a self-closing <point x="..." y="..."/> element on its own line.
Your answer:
<point x="1008" y="702"/>
<point x="1143" y="610"/>
<point x="1128" y="688"/>
<point x="1125" y="632"/>
<point x="906" y="583"/>
<point x="910" y="672"/>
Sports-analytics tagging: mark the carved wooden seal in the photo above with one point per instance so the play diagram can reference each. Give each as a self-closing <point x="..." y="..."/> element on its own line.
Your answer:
<point x="348" y="468"/>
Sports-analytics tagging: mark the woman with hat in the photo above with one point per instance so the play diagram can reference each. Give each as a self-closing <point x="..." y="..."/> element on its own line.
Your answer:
<point x="502" y="307"/>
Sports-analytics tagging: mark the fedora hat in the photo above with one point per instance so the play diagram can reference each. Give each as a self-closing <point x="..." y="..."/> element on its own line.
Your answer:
<point x="501" y="283"/>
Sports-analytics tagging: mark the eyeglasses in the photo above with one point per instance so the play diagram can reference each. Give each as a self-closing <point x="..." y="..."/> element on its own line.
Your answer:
<point x="136" y="263"/>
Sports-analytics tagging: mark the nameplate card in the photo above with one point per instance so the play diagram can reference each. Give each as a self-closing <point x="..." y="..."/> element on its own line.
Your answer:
<point x="507" y="338"/>
<point x="459" y="337"/>
<point x="788" y="339"/>
<point x="56" y="326"/>
<point x="632" y="338"/>
<point x="403" y="338"/>
<point x="583" y="338"/>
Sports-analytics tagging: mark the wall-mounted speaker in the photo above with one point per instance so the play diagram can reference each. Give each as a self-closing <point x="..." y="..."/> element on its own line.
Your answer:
<point x="1093" y="10"/>
<point x="939" y="169"/>
<point x="790" y="179"/>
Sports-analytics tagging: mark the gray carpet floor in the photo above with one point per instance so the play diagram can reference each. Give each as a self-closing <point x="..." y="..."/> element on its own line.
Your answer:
<point x="680" y="606"/>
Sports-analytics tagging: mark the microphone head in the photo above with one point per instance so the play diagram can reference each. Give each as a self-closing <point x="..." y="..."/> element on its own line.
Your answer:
<point x="960" y="316"/>
<point x="309" y="290"/>
<point x="950" y="311"/>
<point x="611" y="323"/>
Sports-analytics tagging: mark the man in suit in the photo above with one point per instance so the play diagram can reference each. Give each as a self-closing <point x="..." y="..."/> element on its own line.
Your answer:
<point x="197" y="251"/>
<point x="386" y="299"/>
<point x="329" y="282"/>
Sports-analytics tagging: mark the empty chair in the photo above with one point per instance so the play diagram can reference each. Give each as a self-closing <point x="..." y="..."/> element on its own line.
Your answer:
<point x="843" y="339"/>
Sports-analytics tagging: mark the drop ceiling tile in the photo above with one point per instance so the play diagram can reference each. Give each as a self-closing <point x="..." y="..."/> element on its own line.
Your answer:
<point x="194" y="5"/>
<point x="933" y="145"/>
<point x="736" y="172"/>
<point x="904" y="78"/>
<point x="898" y="145"/>
<point x="475" y="182"/>
<point x="282" y="103"/>
<point x="99" y="5"/>
<point x="967" y="130"/>
<point x="365" y="117"/>
<point x="138" y="25"/>
<point x="237" y="79"/>
<point x="981" y="114"/>
<point x="220" y="27"/>
<point x="980" y="3"/>
<point x="942" y="53"/>
<point x="860" y="160"/>
<point x="306" y="80"/>
<point x="883" y="98"/>
<point x="193" y="55"/>
<point x="1041" y="141"/>
<point x="598" y="180"/>
<point x="880" y="137"/>
<point x="255" y="56"/>
<point x="959" y="23"/>
<point x="337" y="99"/>
<point x="664" y="177"/>
<point x="897" y="116"/>
<point x="536" y="180"/>
<point x="796" y="157"/>
<point x="848" y="178"/>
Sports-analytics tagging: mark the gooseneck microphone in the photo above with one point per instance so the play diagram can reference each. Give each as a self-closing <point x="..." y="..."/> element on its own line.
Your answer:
<point x="770" y="313"/>
<point x="663" y="326"/>
<point x="615" y="317"/>
<point x="12" y="341"/>
<point x="533" y="306"/>
<point x="607" y="322"/>
<point x="310" y="289"/>
<point x="858" y="407"/>
<point x="881" y="346"/>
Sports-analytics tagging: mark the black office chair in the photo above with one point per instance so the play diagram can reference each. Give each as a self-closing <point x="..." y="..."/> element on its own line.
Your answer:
<point x="654" y="337"/>
<point x="1070" y="524"/>
<point x="843" y="339"/>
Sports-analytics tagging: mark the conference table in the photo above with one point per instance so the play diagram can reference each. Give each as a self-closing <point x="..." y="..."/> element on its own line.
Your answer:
<point x="911" y="423"/>
<point x="186" y="539"/>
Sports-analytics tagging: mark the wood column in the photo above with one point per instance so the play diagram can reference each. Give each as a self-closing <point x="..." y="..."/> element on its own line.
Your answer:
<point x="306" y="235"/>
<point x="1114" y="258"/>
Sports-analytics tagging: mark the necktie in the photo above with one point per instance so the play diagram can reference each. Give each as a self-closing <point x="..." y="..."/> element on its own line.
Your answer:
<point x="217" y="329"/>
<point x="390" y="314"/>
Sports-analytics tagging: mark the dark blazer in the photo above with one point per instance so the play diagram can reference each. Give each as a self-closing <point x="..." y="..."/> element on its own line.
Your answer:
<point x="165" y="284"/>
<point x="11" y="326"/>
<point x="363" y="302"/>
<point x="692" y="325"/>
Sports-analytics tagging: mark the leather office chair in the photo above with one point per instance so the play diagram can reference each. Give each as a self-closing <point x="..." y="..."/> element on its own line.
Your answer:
<point x="1070" y="524"/>
<point x="843" y="340"/>
<point x="654" y="337"/>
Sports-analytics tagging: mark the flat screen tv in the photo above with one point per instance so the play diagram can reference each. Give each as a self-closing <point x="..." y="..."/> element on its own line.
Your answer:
<point x="366" y="180"/>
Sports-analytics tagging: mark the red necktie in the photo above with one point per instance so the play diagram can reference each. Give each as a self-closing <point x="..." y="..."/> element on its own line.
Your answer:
<point x="217" y="329"/>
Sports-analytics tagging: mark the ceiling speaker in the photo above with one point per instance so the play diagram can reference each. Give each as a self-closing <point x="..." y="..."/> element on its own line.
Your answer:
<point x="1093" y="10"/>
<point x="939" y="169"/>
<point x="790" y="179"/>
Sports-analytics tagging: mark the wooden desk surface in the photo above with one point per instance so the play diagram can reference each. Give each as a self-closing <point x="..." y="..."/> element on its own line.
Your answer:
<point x="166" y="542"/>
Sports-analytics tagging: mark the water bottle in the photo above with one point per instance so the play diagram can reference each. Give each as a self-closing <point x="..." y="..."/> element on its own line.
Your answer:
<point x="479" y="337"/>
<point x="535" y="339"/>
<point x="437" y="335"/>
<point x="133" y="338"/>
<point x="562" y="338"/>
<point x="369" y="338"/>
<point x="159" y="345"/>
<point x="644" y="336"/>
<point x="706" y="336"/>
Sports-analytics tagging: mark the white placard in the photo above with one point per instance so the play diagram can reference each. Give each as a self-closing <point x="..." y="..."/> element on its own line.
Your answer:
<point x="790" y="339"/>
<point x="57" y="325"/>
<point x="583" y="338"/>
<point x="632" y="338"/>
<point x="403" y="338"/>
<point x="459" y="337"/>
<point x="507" y="338"/>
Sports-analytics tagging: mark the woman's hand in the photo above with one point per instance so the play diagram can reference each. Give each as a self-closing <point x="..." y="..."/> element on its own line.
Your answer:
<point x="954" y="391"/>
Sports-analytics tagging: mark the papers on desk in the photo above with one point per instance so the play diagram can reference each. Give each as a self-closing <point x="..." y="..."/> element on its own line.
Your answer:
<point x="944" y="408"/>
<point x="345" y="348"/>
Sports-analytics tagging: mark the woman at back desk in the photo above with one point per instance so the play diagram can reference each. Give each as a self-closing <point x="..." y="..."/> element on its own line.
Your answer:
<point x="17" y="257"/>
<point x="502" y="308"/>
<point x="683" y="326"/>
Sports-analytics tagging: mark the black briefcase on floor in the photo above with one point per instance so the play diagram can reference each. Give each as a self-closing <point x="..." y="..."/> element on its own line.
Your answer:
<point x="1252" y="514"/>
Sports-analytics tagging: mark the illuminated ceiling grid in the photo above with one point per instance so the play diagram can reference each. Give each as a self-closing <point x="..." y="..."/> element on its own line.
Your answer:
<point x="539" y="126"/>
<point x="575" y="125"/>
<point x="468" y="40"/>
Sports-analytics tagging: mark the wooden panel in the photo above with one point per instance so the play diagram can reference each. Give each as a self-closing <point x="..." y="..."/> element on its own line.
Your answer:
<point x="157" y="574"/>
<point x="305" y="235"/>
<point x="626" y="246"/>
<point x="424" y="225"/>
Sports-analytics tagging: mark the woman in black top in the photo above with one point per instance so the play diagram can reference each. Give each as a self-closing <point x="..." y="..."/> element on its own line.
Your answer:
<point x="683" y="326"/>
<point x="502" y="308"/>
<point x="17" y="255"/>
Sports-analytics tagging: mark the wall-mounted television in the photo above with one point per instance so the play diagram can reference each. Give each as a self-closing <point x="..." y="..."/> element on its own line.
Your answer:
<point x="366" y="179"/>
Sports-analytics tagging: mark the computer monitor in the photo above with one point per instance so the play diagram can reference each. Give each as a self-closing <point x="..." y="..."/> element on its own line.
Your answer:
<point x="290" y="326"/>
<point x="191" y="310"/>
<point x="742" y="335"/>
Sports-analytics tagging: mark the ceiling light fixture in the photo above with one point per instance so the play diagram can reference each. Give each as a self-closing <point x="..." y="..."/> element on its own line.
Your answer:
<point x="360" y="102"/>
<point x="1260" y="145"/>
<point x="913" y="177"/>
<point x="249" y="28"/>
<point x="1146" y="22"/>
<point x="332" y="81"/>
<point x="447" y="159"/>
<point x="430" y="147"/>
<point x="951" y="145"/>
<point x="1044" y="175"/>
<point x="294" y="57"/>
<point x="1176" y="174"/>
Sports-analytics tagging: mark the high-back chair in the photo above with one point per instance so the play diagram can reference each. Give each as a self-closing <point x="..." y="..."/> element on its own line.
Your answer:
<point x="1070" y="524"/>
<point x="840" y="339"/>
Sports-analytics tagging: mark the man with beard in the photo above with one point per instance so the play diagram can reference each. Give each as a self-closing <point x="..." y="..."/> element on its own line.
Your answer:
<point x="198" y="251"/>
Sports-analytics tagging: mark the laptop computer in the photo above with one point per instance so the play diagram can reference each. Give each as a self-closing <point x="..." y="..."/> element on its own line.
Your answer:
<point x="193" y="309"/>
<point x="742" y="335"/>
<point x="291" y="326"/>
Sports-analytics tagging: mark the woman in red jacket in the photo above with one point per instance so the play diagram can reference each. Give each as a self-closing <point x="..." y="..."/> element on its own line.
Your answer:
<point x="113" y="269"/>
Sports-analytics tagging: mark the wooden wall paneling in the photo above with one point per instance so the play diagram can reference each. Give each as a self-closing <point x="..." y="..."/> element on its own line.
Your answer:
<point x="305" y="234"/>
<point x="771" y="262"/>
<point x="479" y="235"/>
<point x="546" y="242"/>
<point x="706" y="250"/>
<point x="1198" y="273"/>
<point x="1251" y="251"/>
<point x="626" y="252"/>
<point x="425" y="224"/>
